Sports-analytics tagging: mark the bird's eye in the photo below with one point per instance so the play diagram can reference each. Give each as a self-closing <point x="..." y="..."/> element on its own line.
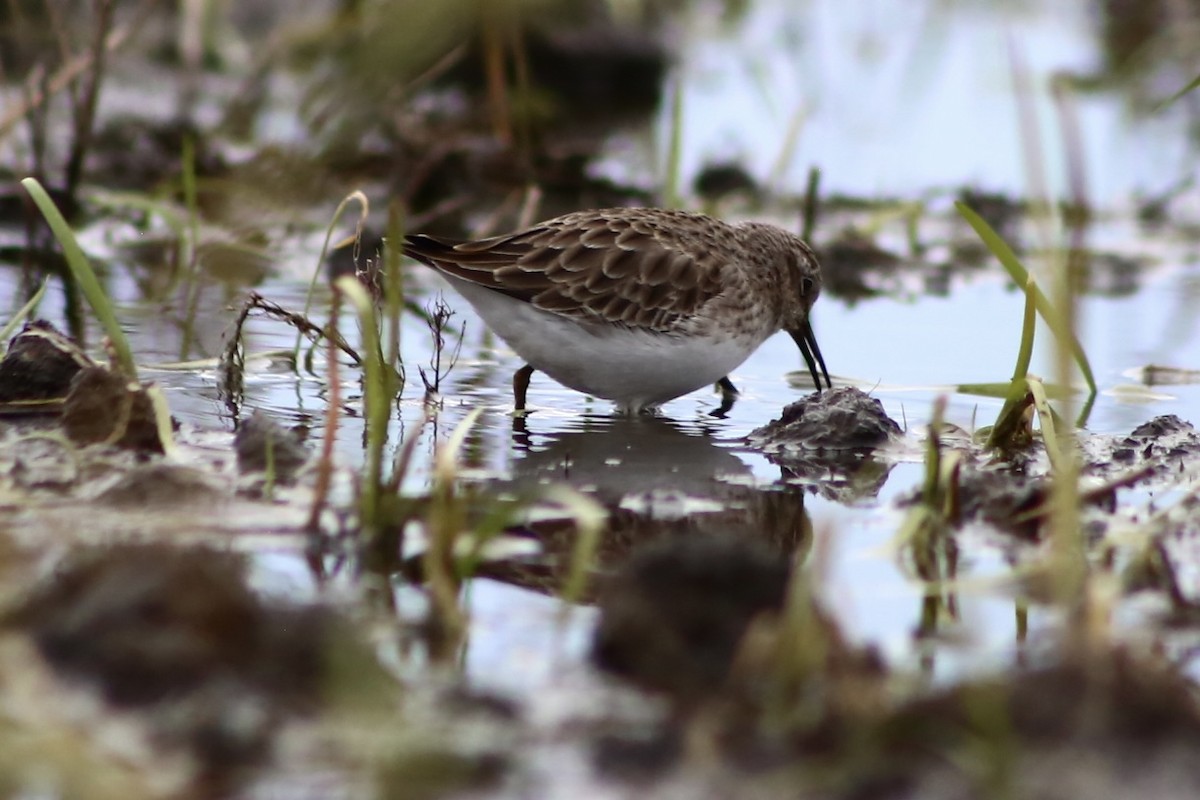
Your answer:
<point x="806" y="287"/>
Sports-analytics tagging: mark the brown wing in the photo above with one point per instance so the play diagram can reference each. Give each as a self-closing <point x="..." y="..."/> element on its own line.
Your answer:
<point x="640" y="267"/>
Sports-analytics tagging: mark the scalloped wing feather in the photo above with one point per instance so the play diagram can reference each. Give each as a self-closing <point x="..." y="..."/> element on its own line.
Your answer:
<point x="647" y="268"/>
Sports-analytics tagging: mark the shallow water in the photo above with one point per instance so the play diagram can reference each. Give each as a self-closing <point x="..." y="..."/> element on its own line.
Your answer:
<point x="892" y="100"/>
<point x="906" y="351"/>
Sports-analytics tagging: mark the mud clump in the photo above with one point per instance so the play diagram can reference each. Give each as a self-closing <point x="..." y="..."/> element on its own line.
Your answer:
<point x="40" y="364"/>
<point x="756" y="675"/>
<point x="148" y="622"/>
<point x="162" y="485"/>
<point x="135" y="153"/>
<point x="722" y="179"/>
<point x="1013" y="499"/>
<point x="694" y="617"/>
<point x="830" y="439"/>
<point x="1096" y="725"/>
<point x="1003" y="213"/>
<point x="1166" y="444"/>
<point x="98" y="405"/>
<point x="843" y="419"/>
<point x="673" y="618"/>
<point x="672" y="622"/>
<point x="586" y="66"/>
<point x="107" y="407"/>
<point x="600" y="70"/>
<point x="1013" y="502"/>
<point x="177" y="635"/>
<point x="722" y="629"/>
<point x="849" y="259"/>
<point x="263" y="445"/>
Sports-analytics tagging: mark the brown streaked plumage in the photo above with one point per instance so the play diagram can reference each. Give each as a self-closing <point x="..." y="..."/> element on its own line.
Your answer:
<point x="636" y="305"/>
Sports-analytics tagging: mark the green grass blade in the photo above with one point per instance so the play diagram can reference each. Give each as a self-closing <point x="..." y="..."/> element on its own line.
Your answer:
<point x="996" y="390"/>
<point x="192" y="290"/>
<point x="1001" y="391"/>
<point x="393" y="292"/>
<point x="672" y="197"/>
<point x="364" y="210"/>
<point x="375" y="397"/>
<point x="1028" y="329"/>
<point x="1191" y="86"/>
<point x="444" y="522"/>
<point x="788" y="148"/>
<point x="933" y="454"/>
<point x="24" y="312"/>
<point x="1018" y="386"/>
<point x="1008" y="432"/>
<point x="1046" y="418"/>
<point x="1020" y="276"/>
<point x="590" y="518"/>
<point x="81" y="270"/>
<point x="812" y="194"/>
<point x="162" y="418"/>
<point x="1085" y="412"/>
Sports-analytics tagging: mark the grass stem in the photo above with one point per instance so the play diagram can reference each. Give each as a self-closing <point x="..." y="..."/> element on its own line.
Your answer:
<point x="84" y="276"/>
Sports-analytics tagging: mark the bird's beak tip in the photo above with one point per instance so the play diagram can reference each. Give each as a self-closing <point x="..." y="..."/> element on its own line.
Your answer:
<point x="806" y="340"/>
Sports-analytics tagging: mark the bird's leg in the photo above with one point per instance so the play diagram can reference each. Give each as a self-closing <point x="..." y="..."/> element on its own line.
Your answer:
<point x="521" y="385"/>
<point x="729" y="395"/>
<point x="520" y="433"/>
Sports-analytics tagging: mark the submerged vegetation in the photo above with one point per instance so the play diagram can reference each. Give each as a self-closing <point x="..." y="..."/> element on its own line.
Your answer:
<point x="236" y="389"/>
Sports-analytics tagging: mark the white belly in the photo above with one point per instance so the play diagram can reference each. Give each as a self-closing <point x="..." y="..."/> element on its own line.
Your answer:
<point x="632" y="367"/>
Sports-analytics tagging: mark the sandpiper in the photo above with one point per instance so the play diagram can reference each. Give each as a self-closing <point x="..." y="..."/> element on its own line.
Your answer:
<point x="635" y="305"/>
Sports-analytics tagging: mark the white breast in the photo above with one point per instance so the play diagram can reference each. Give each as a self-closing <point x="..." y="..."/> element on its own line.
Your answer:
<point x="631" y="366"/>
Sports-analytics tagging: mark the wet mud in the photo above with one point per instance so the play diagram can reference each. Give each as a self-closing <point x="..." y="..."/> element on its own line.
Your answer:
<point x="175" y="635"/>
<point x="40" y="364"/>
<point x="44" y="370"/>
<point x="1132" y="717"/>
